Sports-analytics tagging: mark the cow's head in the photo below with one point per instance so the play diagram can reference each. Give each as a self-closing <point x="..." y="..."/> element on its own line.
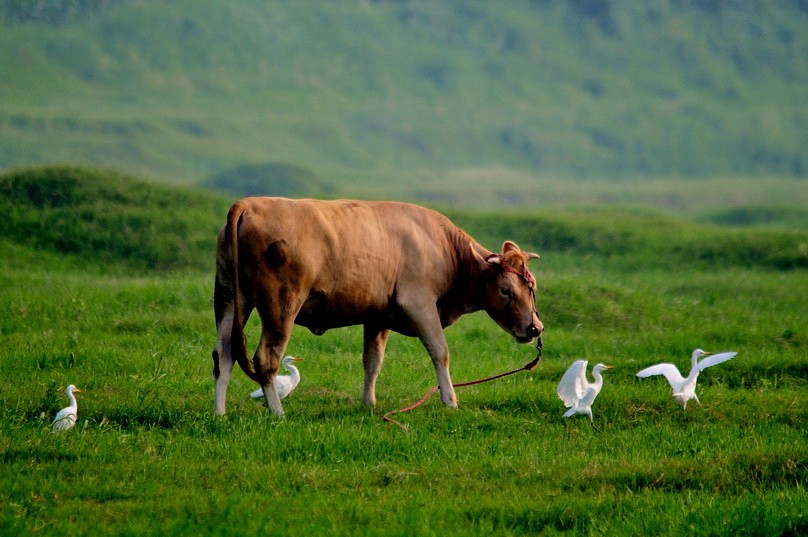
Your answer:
<point x="509" y="292"/>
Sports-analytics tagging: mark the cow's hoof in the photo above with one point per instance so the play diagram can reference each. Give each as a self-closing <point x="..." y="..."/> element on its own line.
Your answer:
<point x="451" y="404"/>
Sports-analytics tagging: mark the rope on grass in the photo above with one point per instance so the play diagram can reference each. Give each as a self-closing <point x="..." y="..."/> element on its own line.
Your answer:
<point x="527" y="367"/>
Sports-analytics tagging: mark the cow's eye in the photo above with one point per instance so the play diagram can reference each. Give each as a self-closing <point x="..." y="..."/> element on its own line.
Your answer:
<point x="505" y="291"/>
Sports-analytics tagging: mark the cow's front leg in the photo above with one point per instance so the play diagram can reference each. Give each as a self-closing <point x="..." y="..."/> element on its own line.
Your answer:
<point x="372" y="359"/>
<point x="427" y="325"/>
<point x="439" y="352"/>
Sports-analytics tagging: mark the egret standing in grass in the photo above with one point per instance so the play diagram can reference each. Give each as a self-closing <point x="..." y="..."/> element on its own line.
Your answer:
<point x="284" y="384"/>
<point x="577" y="392"/>
<point x="684" y="389"/>
<point x="66" y="418"/>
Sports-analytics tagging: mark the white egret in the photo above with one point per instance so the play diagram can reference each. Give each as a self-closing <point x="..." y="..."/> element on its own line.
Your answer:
<point x="684" y="389"/>
<point x="577" y="392"/>
<point x="66" y="418"/>
<point x="283" y="383"/>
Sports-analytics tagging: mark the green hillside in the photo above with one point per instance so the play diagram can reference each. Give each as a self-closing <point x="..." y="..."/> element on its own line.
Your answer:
<point x="444" y="101"/>
<point x="90" y="218"/>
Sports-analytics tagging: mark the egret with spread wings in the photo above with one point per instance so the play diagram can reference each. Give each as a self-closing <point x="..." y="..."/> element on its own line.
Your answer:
<point x="577" y="392"/>
<point x="684" y="389"/>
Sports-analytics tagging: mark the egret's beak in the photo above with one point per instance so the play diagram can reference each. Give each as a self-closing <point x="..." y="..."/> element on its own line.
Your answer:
<point x="608" y="367"/>
<point x="77" y="390"/>
<point x="297" y="359"/>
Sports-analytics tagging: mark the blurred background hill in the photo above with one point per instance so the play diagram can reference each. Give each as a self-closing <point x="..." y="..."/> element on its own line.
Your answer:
<point x="686" y="104"/>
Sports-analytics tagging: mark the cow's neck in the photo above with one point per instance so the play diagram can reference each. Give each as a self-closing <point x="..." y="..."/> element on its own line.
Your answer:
<point x="470" y="289"/>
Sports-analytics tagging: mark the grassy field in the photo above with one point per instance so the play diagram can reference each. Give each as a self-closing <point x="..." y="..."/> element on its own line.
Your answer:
<point x="147" y="456"/>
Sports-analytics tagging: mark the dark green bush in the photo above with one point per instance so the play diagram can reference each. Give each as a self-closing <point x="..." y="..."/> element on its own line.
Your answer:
<point x="270" y="179"/>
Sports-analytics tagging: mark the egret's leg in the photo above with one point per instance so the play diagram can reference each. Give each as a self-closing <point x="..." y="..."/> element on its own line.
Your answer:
<point x="592" y="422"/>
<point x="569" y="429"/>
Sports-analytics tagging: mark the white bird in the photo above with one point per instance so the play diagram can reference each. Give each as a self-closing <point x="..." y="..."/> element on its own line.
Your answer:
<point x="684" y="389"/>
<point x="283" y="383"/>
<point x="577" y="392"/>
<point x="66" y="418"/>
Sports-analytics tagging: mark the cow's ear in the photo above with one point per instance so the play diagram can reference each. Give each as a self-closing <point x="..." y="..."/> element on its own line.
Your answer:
<point x="482" y="262"/>
<point x="509" y="246"/>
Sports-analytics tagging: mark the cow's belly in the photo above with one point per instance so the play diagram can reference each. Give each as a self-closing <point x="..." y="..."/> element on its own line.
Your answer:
<point x="319" y="314"/>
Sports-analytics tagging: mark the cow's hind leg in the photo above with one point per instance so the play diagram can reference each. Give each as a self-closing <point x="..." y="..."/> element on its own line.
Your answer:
<point x="222" y="354"/>
<point x="267" y="360"/>
<point x="222" y="361"/>
<point x="372" y="358"/>
<point x="222" y="369"/>
<point x="277" y="319"/>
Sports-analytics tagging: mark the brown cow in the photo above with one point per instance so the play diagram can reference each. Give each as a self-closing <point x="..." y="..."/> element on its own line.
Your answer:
<point x="384" y="265"/>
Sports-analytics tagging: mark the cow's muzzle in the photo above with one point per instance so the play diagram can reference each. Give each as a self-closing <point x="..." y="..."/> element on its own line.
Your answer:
<point x="534" y="331"/>
<point x="531" y="332"/>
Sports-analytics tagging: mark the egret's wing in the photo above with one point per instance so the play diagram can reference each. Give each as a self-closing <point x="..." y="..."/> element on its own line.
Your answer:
<point x="65" y="419"/>
<point x="570" y="389"/>
<point x="675" y="379"/>
<point x="715" y="359"/>
<point x="283" y="385"/>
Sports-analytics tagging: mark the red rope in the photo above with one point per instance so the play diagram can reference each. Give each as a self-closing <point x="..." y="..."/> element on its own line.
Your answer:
<point x="527" y="367"/>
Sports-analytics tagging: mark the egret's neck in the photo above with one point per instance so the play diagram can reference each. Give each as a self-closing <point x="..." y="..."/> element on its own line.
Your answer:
<point x="72" y="398"/>
<point x="294" y="373"/>
<point x="598" y="380"/>
<point x="694" y="362"/>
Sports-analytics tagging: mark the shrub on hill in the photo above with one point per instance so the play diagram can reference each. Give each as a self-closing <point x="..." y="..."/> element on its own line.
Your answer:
<point x="106" y="217"/>
<point x="270" y="179"/>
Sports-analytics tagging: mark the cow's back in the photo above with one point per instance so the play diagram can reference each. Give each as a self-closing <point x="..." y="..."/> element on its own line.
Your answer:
<point x="349" y="257"/>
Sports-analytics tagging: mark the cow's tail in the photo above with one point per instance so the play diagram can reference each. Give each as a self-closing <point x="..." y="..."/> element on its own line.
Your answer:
<point x="238" y="342"/>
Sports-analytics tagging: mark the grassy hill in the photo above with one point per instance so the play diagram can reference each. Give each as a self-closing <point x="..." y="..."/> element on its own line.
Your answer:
<point x="90" y="218"/>
<point x="459" y="102"/>
<point x="102" y="218"/>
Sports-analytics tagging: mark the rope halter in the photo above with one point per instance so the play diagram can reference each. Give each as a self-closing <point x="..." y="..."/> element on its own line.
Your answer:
<point x="526" y="275"/>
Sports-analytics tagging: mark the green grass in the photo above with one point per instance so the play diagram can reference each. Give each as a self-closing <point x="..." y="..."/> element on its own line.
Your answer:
<point x="147" y="456"/>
